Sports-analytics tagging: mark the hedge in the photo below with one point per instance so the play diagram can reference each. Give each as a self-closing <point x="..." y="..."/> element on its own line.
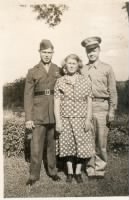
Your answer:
<point x="16" y="142"/>
<point x="118" y="139"/>
<point x="13" y="137"/>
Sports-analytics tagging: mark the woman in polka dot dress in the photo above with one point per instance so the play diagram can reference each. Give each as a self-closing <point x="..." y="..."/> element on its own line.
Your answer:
<point x="73" y="113"/>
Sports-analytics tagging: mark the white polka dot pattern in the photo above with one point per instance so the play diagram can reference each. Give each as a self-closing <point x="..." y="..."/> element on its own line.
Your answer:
<point x="73" y="97"/>
<point x="73" y="141"/>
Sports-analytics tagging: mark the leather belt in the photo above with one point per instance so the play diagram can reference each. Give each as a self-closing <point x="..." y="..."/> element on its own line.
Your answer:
<point x="44" y="92"/>
<point x="100" y="99"/>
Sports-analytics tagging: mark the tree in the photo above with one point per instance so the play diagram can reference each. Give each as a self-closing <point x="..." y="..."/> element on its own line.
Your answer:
<point x="126" y="7"/>
<point x="13" y="94"/>
<point x="51" y="13"/>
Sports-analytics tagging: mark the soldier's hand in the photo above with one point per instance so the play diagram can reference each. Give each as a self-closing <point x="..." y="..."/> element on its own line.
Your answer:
<point x="29" y="125"/>
<point x="111" y="117"/>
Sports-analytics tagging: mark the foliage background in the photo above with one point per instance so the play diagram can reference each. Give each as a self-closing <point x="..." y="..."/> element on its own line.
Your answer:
<point x="13" y="95"/>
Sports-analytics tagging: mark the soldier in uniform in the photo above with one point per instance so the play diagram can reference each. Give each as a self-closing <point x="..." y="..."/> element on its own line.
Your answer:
<point x="104" y="103"/>
<point x="39" y="111"/>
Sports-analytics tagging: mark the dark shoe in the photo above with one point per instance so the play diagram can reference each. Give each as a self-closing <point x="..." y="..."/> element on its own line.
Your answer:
<point x="91" y="177"/>
<point x="31" y="182"/>
<point x="78" y="178"/>
<point x="55" y="178"/>
<point x="99" y="177"/>
<point x="69" y="178"/>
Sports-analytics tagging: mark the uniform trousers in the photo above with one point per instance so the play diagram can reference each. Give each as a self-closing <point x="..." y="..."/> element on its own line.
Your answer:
<point x="39" y="134"/>
<point x="97" y="164"/>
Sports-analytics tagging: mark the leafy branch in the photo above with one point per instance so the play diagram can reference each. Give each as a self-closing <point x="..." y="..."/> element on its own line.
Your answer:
<point x="51" y="13"/>
<point x="126" y="7"/>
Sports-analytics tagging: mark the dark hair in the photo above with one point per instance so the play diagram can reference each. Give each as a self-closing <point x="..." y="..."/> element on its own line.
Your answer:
<point x="72" y="56"/>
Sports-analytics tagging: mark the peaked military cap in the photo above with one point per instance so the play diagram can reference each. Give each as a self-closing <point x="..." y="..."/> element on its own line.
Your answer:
<point x="91" y="42"/>
<point x="46" y="44"/>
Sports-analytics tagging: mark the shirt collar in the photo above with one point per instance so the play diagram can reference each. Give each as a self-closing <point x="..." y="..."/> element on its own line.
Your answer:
<point x="94" y="65"/>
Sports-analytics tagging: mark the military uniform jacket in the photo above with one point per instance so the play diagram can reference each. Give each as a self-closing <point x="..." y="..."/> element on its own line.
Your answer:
<point x="40" y="108"/>
<point x="103" y="82"/>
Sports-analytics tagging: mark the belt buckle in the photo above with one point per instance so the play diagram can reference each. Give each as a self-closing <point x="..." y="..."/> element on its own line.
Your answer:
<point x="47" y="91"/>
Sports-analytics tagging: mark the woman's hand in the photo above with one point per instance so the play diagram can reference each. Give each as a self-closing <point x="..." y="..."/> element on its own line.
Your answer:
<point x="59" y="126"/>
<point x="88" y="125"/>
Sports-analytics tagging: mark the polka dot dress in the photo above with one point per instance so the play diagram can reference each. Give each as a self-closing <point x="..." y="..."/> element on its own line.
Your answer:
<point x="73" y="140"/>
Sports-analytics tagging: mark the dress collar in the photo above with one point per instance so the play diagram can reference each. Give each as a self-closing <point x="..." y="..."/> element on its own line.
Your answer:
<point x="68" y="81"/>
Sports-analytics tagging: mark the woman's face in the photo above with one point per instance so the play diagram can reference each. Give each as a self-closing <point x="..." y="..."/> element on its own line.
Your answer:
<point x="72" y="66"/>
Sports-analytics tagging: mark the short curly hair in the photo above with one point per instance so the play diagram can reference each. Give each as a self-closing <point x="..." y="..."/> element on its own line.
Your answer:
<point x="74" y="57"/>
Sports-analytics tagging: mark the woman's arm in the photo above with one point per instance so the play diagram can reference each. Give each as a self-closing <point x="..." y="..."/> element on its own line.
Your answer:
<point x="57" y="114"/>
<point x="89" y="109"/>
<point x="57" y="108"/>
<point x="89" y="115"/>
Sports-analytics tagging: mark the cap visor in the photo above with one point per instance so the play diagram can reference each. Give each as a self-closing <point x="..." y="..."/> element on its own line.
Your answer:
<point x="92" y="46"/>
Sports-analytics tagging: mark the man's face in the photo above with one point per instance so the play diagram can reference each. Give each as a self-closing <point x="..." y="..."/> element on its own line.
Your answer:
<point x="46" y="55"/>
<point x="93" y="54"/>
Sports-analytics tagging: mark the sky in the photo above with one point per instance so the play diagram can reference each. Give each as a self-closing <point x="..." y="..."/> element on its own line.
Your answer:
<point x="21" y="34"/>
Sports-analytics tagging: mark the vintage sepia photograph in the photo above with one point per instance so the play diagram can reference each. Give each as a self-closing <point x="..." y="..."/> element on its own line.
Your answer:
<point x="65" y="98"/>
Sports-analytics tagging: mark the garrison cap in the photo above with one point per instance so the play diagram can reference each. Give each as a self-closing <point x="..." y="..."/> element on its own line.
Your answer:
<point x="46" y="44"/>
<point x="91" y="42"/>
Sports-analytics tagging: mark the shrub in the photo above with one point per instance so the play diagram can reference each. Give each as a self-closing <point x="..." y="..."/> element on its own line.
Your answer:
<point x="118" y="139"/>
<point x="13" y="137"/>
<point x="17" y="141"/>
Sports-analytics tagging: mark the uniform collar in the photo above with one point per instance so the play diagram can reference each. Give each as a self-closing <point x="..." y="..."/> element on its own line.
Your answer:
<point x="94" y="65"/>
<point x="41" y="66"/>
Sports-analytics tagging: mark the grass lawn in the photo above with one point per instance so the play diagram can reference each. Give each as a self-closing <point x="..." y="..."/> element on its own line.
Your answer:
<point x="16" y="172"/>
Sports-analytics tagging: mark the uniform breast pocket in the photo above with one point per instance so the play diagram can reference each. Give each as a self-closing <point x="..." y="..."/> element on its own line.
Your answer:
<point x="101" y="77"/>
<point x="39" y="78"/>
<point x="53" y="77"/>
<point x="56" y="75"/>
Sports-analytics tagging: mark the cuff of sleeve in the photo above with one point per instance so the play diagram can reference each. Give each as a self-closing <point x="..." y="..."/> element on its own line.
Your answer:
<point x="112" y="111"/>
<point x="28" y="118"/>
